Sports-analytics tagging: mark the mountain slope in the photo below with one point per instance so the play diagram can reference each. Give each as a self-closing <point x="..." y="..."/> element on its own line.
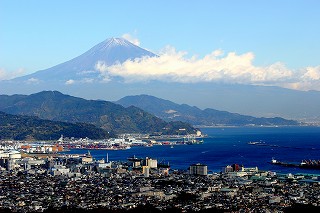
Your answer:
<point x="19" y="127"/>
<point x="80" y="77"/>
<point x="53" y="105"/>
<point x="171" y="111"/>
<point x="110" y="51"/>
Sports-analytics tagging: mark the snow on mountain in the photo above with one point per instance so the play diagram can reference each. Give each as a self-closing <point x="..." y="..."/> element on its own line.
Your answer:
<point x="115" y="42"/>
<point x="110" y="51"/>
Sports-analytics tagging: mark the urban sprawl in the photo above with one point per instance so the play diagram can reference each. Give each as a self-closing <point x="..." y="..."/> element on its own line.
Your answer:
<point x="35" y="179"/>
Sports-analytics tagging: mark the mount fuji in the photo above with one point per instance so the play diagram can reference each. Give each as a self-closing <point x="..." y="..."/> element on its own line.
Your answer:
<point x="110" y="52"/>
<point x="80" y="77"/>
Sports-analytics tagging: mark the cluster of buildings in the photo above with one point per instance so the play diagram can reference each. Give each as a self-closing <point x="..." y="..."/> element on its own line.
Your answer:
<point x="34" y="184"/>
<point x="125" y="141"/>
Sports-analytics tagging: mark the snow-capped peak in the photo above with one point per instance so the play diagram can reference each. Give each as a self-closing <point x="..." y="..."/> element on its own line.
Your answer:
<point x="110" y="51"/>
<point x="117" y="42"/>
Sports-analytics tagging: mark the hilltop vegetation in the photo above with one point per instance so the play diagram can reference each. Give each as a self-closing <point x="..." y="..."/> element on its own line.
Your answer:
<point x="20" y="127"/>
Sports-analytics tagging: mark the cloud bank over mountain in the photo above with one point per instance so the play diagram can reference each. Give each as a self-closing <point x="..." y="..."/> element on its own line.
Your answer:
<point x="131" y="38"/>
<point x="122" y="57"/>
<point x="6" y="75"/>
<point x="174" y="66"/>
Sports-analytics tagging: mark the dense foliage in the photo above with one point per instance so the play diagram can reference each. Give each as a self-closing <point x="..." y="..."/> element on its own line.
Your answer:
<point x="20" y="127"/>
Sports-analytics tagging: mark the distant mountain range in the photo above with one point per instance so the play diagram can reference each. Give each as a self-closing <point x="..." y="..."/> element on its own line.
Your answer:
<point x="80" y="77"/>
<point x="20" y="127"/>
<point x="53" y="105"/>
<point x="170" y="111"/>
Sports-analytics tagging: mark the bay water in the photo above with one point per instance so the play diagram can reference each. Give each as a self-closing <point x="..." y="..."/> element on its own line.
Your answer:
<point x="228" y="145"/>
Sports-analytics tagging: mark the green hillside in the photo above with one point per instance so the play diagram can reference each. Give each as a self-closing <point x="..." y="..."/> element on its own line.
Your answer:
<point x="20" y="127"/>
<point x="53" y="105"/>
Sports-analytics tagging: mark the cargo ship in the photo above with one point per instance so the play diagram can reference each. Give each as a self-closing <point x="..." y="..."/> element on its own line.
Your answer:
<point x="305" y="164"/>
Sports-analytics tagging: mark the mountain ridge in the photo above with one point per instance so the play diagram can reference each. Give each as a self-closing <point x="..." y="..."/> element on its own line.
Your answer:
<point x="54" y="105"/>
<point x="170" y="111"/>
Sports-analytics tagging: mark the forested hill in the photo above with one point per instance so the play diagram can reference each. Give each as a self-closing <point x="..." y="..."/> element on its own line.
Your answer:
<point x="53" y="105"/>
<point x="20" y="127"/>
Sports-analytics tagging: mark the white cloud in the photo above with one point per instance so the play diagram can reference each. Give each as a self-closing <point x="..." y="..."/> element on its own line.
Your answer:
<point x="132" y="39"/>
<point x="32" y="81"/>
<point x="312" y="73"/>
<point x="175" y="67"/>
<point x="103" y="69"/>
<point x="306" y="79"/>
<point x="81" y="81"/>
<point x="6" y="75"/>
<point x="70" y="81"/>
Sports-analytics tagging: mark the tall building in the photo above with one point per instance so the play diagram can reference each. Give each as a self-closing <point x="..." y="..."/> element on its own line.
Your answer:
<point x="8" y="159"/>
<point x="227" y="169"/>
<point x="236" y="167"/>
<point x="151" y="163"/>
<point x="87" y="159"/>
<point x="146" y="171"/>
<point x="198" y="169"/>
<point x="135" y="162"/>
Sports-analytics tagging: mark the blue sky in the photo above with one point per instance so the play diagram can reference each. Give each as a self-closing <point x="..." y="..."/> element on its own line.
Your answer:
<point x="39" y="34"/>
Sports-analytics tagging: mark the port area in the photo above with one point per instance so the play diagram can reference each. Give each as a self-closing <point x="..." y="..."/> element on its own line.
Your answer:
<point x="128" y="141"/>
<point x="123" y="142"/>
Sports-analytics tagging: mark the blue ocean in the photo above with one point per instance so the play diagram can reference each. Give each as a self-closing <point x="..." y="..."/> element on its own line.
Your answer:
<point x="226" y="146"/>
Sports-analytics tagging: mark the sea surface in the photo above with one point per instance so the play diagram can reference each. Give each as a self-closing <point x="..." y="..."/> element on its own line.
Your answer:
<point x="226" y="146"/>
